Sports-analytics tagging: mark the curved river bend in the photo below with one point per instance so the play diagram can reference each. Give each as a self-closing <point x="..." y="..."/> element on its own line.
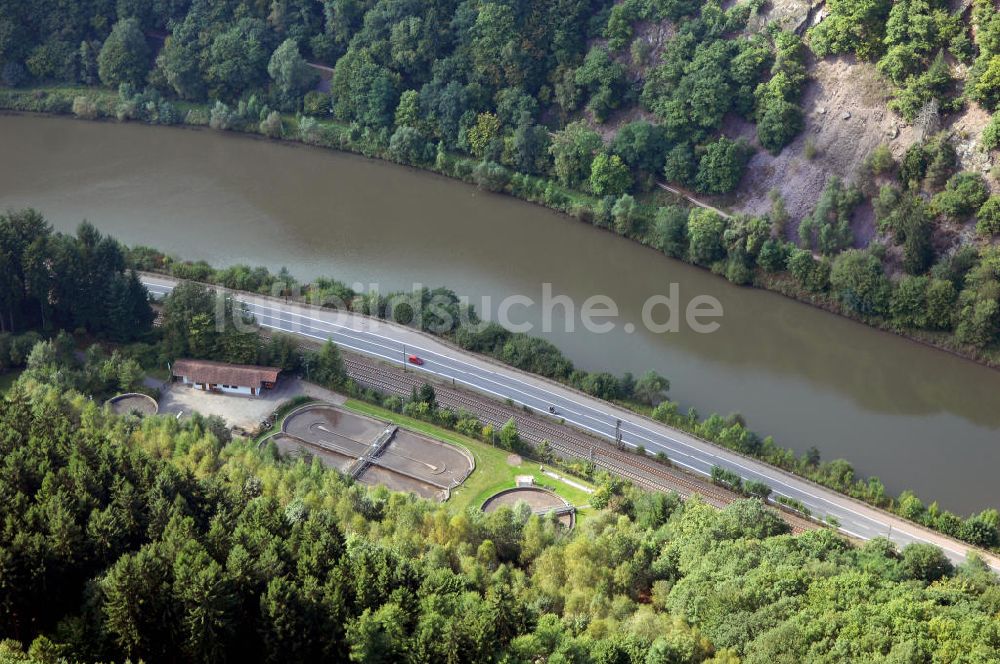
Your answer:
<point x="916" y="417"/>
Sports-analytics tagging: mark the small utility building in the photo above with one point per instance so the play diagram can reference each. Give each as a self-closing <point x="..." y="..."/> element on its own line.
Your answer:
<point x="221" y="377"/>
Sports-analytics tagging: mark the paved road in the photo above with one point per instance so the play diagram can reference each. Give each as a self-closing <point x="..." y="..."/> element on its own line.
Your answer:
<point x="392" y="342"/>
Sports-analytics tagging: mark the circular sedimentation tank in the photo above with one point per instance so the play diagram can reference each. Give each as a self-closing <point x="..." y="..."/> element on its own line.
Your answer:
<point x="133" y="402"/>
<point x="539" y="499"/>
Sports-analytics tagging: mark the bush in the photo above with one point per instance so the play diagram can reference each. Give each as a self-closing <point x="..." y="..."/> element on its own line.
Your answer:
<point x="670" y="233"/>
<point x="988" y="217"/>
<point x="721" y="167"/>
<point x="609" y="176"/>
<point x="963" y="194"/>
<point x="679" y="165"/>
<point x="811" y="274"/>
<point x="601" y="385"/>
<point x="316" y="103"/>
<point x="168" y="114"/>
<point x="880" y="160"/>
<point x="85" y="108"/>
<point x="705" y="231"/>
<point x="939" y="161"/>
<point x="990" y="138"/>
<point x="859" y="281"/>
<point x="221" y="117"/>
<point x="197" y="117"/>
<point x="773" y="255"/>
<point x="828" y="228"/>
<point x="642" y="145"/>
<point x="779" y="118"/>
<point x="271" y="125"/>
<point x="126" y="110"/>
<point x="941" y="297"/>
<point x="909" y="302"/>
<point x="626" y="215"/>
<point x="738" y="272"/>
<point x="408" y="146"/>
<point x="491" y="175"/>
<point x="757" y="489"/>
<point x="309" y="130"/>
<point x="554" y="197"/>
<point x="925" y="562"/>
<point x="727" y="478"/>
<point x="779" y="121"/>
<point x="810" y="150"/>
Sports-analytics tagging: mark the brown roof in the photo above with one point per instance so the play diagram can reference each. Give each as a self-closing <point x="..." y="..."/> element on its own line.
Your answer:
<point x="220" y="373"/>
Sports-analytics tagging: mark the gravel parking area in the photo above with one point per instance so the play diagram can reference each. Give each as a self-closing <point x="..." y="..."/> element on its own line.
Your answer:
<point x="236" y="409"/>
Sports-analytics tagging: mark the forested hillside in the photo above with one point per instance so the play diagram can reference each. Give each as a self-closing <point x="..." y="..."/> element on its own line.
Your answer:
<point x="854" y="139"/>
<point x="491" y="79"/>
<point x="155" y="539"/>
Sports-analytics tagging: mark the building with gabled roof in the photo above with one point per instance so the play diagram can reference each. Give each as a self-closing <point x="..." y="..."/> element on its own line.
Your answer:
<point x="224" y="377"/>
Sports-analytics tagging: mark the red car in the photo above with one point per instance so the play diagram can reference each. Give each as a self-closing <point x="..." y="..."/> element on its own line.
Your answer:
<point x="413" y="359"/>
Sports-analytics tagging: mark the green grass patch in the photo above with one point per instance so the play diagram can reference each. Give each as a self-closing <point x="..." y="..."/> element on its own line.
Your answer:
<point x="493" y="473"/>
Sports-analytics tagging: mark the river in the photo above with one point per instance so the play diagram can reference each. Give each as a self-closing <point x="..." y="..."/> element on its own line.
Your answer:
<point x="916" y="417"/>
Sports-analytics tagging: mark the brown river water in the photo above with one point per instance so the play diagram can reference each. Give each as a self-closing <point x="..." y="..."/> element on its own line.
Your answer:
<point x="916" y="417"/>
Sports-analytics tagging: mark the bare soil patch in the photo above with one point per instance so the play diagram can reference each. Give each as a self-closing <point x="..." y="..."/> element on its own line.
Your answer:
<point x="845" y="119"/>
<point x="966" y="128"/>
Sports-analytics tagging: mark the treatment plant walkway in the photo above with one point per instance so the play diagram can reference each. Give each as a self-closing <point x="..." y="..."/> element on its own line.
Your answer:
<point x="393" y="343"/>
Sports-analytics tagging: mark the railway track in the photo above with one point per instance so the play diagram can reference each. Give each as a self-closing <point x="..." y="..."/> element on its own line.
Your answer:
<point x="567" y="442"/>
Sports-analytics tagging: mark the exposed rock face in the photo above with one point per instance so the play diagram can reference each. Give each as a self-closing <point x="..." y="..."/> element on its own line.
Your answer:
<point x="845" y="119"/>
<point x="793" y="15"/>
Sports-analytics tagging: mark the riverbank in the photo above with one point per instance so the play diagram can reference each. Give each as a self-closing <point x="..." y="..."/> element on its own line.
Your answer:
<point x="100" y="104"/>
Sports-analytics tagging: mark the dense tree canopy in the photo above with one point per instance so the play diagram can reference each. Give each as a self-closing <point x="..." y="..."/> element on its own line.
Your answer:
<point x="54" y="281"/>
<point x="290" y="74"/>
<point x="167" y="543"/>
<point x="124" y="58"/>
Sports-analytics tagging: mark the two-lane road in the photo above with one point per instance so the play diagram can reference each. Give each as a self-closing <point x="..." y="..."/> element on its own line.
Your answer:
<point x="392" y="342"/>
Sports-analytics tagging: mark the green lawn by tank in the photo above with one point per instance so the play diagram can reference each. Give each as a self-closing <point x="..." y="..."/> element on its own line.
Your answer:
<point x="493" y="471"/>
